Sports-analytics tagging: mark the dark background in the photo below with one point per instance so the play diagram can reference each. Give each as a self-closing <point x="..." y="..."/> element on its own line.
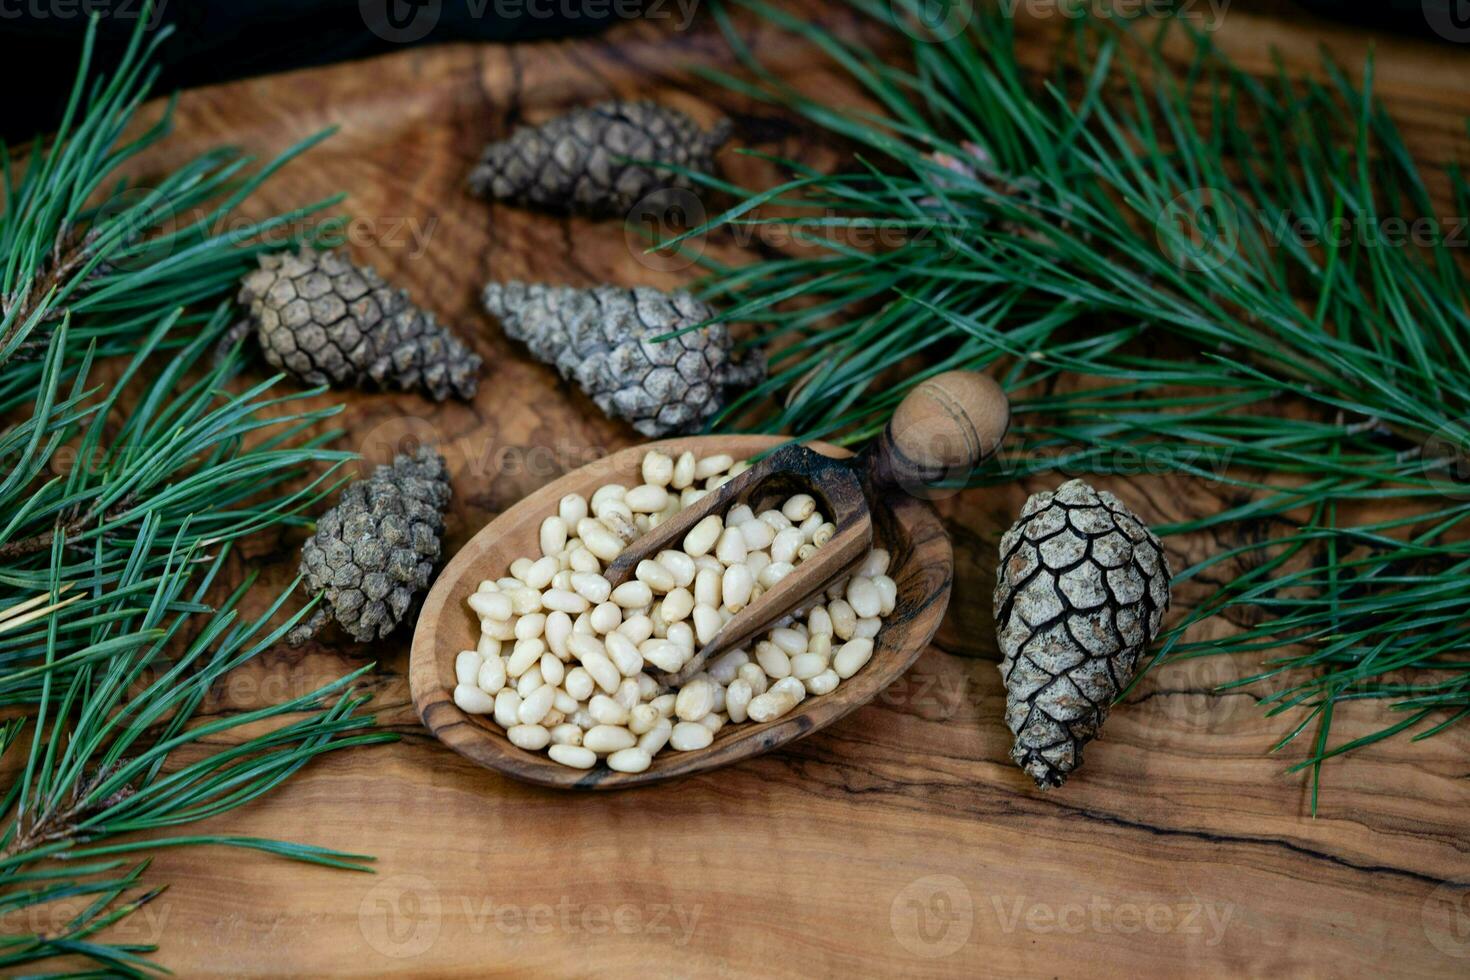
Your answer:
<point x="217" y="40"/>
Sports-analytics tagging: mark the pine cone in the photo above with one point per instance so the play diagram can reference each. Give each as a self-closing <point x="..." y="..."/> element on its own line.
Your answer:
<point x="373" y="554"/>
<point x="602" y="338"/>
<point x="1081" y="590"/>
<point x="327" y="321"/>
<point x="595" y="160"/>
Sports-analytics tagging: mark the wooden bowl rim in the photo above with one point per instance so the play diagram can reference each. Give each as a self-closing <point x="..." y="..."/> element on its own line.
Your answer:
<point x="486" y="744"/>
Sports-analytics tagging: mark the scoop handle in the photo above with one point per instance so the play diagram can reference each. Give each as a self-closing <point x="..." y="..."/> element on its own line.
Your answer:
<point x="944" y="428"/>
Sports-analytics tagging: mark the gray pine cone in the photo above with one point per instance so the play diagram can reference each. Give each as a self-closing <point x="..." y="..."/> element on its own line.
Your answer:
<point x="602" y="339"/>
<point x="327" y="321"/>
<point x="1081" y="590"/>
<point x="373" y="554"/>
<point x="595" y="160"/>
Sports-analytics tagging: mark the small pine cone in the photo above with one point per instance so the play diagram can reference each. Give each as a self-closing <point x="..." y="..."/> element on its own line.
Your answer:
<point x="602" y="339"/>
<point x="327" y="321"/>
<point x="373" y="554"/>
<point x="596" y="160"/>
<point x="1081" y="590"/>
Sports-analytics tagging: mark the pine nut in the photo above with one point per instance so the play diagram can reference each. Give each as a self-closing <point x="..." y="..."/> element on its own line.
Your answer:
<point x="642" y="719"/>
<point x="535" y="706"/>
<point x="755" y="676"/>
<point x="647" y="499"/>
<point x="758" y="534"/>
<point x="528" y="736"/>
<point x="737" y="699"/>
<point x="655" y="576"/>
<point x="680" y="565"/>
<point x="735" y="587"/>
<point x="606" y="617"/>
<point x="531" y="627"/>
<point x="694" y="700"/>
<point x="684" y="468"/>
<point x="637" y="628"/>
<point x="573" y="756"/>
<point x="624" y="654"/>
<point x="553" y="671"/>
<point x="471" y="700"/>
<point x="707" y="623"/>
<point x="572" y="508"/>
<point x="774" y="573"/>
<point x="823" y="534"/>
<point x="824" y="683"/>
<point x="658" y="469"/>
<point x="553" y="535"/>
<point x="789" y="640"/>
<point x="688" y="736"/>
<point x="807" y="665"/>
<point x="579" y="684"/>
<point x="770" y="706"/>
<point x="491" y="605"/>
<point x="629" y="760"/>
<point x="677" y="605"/>
<point x="608" y="738"/>
<point x="567" y="734"/>
<point x="713" y="466"/>
<point x="467" y="666"/>
<point x="863" y="596"/>
<point x="724" y="668"/>
<point x="773" y="660"/>
<point x="702" y="537"/>
<point x="844" y="620"/>
<point x="507" y="706"/>
<point x="851" y="656"/>
<point x="657" y="737"/>
<point x="523" y="655"/>
<point x="799" y="507"/>
<point x="488" y="646"/>
<point x="783" y="547"/>
<point x="491" y="676"/>
<point x="707" y="591"/>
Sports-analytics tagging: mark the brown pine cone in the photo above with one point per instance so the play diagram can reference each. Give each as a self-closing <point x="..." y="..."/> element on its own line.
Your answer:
<point x="327" y="321"/>
<point x="1080" y="594"/>
<point x="596" y="160"/>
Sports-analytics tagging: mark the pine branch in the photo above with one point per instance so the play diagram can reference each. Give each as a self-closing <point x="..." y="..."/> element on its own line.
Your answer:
<point x="1098" y="230"/>
<point x="112" y="632"/>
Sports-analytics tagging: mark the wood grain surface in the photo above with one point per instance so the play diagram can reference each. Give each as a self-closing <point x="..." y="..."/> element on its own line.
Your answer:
<point x="899" y="841"/>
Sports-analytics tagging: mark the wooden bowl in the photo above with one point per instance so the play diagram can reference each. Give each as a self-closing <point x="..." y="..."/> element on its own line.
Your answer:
<point x="922" y="567"/>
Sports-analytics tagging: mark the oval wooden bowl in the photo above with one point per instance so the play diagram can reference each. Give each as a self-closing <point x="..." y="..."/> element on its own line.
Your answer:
<point x="923" y="567"/>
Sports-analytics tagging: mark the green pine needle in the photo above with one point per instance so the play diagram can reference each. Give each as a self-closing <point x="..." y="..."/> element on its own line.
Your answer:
<point x="1135" y="227"/>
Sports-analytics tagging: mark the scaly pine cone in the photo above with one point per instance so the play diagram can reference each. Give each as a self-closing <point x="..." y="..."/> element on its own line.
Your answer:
<point x="1081" y="590"/>
<point x="596" y="160"/>
<point x="373" y="554"/>
<point x="602" y="339"/>
<point x="327" y="321"/>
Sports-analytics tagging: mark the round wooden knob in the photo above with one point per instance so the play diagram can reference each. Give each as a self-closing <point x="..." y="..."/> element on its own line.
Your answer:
<point x="947" y="426"/>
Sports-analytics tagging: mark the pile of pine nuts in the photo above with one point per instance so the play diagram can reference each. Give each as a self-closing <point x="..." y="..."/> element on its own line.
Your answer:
<point x="560" y="661"/>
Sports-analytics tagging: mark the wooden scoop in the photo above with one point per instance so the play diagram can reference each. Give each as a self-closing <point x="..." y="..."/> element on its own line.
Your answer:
<point x="945" y="427"/>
